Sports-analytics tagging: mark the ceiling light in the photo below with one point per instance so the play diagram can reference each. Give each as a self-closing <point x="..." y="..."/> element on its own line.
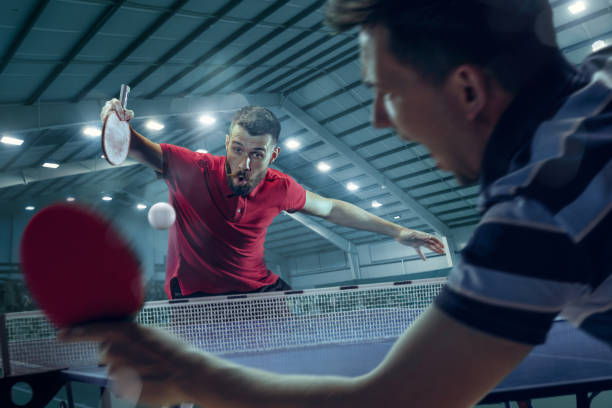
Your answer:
<point x="91" y="131"/>
<point x="70" y="199"/>
<point x="141" y="206"/>
<point x="107" y="198"/>
<point x="201" y="151"/>
<point x="207" y="120"/>
<point x="397" y="217"/>
<point x="11" y="141"/>
<point x="292" y="144"/>
<point x="352" y="186"/>
<point x="50" y="165"/>
<point x="598" y="45"/>
<point x="322" y="166"/>
<point x="376" y="204"/>
<point x="577" y="7"/>
<point x="153" y="125"/>
<point x="30" y="208"/>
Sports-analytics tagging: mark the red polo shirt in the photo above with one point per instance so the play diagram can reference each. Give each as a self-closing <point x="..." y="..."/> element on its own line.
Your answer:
<point x="216" y="244"/>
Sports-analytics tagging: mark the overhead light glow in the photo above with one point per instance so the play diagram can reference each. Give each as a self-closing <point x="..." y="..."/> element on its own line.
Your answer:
<point x="376" y="204"/>
<point x="153" y="125"/>
<point x="598" y="45"/>
<point x="352" y="186"/>
<point x="30" y="208"/>
<point x="50" y="165"/>
<point x="201" y="151"/>
<point x="292" y="144"/>
<point x="11" y="140"/>
<point x="397" y="217"/>
<point x="92" y="131"/>
<point x="324" y="167"/>
<point x="207" y="120"/>
<point x="70" y="199"/>
<point x="577" y="7"/>
<point x="141" y="206"/>
<point x="107" y="198"/>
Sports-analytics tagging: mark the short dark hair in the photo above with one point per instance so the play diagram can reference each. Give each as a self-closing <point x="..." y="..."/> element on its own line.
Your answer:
<point x="511" y="39"/>
<point x="257" y="121"/>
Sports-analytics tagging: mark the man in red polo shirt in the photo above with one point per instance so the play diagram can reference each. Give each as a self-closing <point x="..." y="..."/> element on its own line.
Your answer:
<point x="224" y="206"/>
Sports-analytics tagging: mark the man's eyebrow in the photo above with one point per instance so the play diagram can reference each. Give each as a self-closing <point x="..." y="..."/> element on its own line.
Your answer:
<point x="263" y="149"/>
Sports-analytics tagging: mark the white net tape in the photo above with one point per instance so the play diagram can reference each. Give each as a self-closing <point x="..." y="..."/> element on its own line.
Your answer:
<point x="243" y="324"/>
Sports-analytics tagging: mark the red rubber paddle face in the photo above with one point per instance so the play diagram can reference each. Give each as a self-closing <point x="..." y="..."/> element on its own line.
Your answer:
<point x="78" y="268"/>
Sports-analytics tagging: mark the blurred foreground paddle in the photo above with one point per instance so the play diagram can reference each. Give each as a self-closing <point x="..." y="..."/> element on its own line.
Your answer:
<point x="78" y="268"/>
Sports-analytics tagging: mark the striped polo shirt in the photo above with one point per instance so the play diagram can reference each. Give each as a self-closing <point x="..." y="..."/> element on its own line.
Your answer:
<point x="543" y="247"/>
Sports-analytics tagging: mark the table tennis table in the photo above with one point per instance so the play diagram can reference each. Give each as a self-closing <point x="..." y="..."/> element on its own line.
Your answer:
<point x="570" y="363"/>
<point x="346" y="332"/>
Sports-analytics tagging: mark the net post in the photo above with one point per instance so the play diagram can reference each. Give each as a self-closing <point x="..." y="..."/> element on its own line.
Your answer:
<point x="4" y="347"/>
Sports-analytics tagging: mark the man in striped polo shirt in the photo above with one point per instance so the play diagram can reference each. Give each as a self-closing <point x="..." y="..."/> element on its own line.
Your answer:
<point x="483" y="85"/>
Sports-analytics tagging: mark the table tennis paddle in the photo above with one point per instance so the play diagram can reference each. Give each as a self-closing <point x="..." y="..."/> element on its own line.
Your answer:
<point x="116" y="133"/>
<point x="78" y="268"/>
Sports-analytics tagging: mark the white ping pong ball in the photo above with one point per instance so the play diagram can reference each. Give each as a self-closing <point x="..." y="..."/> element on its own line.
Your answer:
<point x="161" y="216"/>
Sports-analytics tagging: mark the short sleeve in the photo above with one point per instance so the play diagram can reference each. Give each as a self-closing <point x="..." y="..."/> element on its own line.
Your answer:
<point x="182" y="168"/>
<point x="295" y="197"/>
<point x="517" y="273"/>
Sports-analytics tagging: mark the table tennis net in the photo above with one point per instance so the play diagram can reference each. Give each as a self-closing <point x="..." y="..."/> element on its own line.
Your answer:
<point x="226" y="325"/>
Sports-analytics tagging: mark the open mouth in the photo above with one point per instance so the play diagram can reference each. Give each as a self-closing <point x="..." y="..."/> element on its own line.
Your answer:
<point x="242" y="180"/>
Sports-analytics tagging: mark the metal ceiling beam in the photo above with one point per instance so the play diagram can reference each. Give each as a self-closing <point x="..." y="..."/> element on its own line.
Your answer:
<point x="287" y="74"/>
<point x="93" y="30"/>
<point x="32" y="174"/>
<point x="255" y="47"/>
<point x="592" y="16"/>
<point x="266" y="58"/>
<point x="323" y="69"/>
<point x="25" y="30"/>
<point x="218" y="47"/>
<point x="31" y="142"/>
<point x="362" y="105"/>
<point x="324" y="232"/>
<point x="586" y="43"/>
<point x="291" y="58"/>
<point x="319" y="131"/>
<point x="161" y="20"/>
<point x="332" y="95"/>
<point x="191" y="37"/>
<point x="19" y="118"/>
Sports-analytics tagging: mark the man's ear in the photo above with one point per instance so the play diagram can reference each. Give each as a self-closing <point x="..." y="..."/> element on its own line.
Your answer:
<point x="227" y="140"/>
<point x="275" y="153"/>
<point x="468" y="85"/>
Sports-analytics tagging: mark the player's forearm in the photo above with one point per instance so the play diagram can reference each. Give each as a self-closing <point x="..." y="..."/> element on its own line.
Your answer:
<point x="145" y="151"/>
<point x="231" y="386"/>
<point x="349" y="215"/>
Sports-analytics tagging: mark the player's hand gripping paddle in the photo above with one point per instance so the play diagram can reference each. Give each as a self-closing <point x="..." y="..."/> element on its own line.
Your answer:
<point x="78" y="268"/>
<point x="116" y="133"/>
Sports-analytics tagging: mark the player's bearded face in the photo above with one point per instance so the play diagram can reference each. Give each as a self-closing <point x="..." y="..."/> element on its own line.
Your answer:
<point x="248" y="159"/>
<point x="242" y="182"/>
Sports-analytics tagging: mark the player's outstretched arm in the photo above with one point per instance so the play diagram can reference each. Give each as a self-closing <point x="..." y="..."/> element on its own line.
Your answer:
<point x="145" y="151"/>
<point x="141" y="149"/>
<point x="437" y="363"/>
<point x="349" y="215"/>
